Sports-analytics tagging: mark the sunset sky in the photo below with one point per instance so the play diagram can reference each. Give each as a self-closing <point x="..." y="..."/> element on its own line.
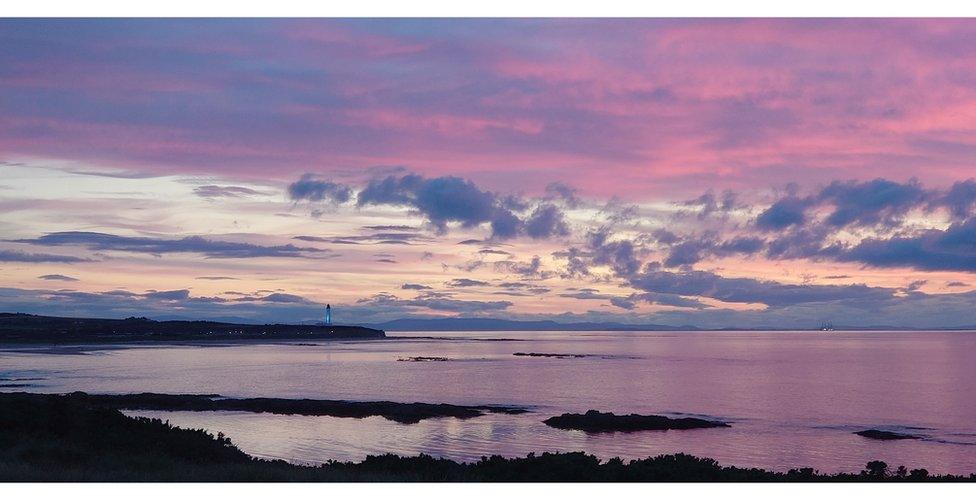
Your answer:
<point x="751" y="173"/>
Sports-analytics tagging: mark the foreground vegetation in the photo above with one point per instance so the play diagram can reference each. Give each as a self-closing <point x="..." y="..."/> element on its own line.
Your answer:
<point x="63" y="438"/>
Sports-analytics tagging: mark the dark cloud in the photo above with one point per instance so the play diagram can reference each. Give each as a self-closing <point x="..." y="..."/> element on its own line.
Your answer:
<point x="748" y="290"/>
<point x="878" y="202"/>
<point x="115" y="174"/>
<point x="17" y="256"/>
<point x="786" y="212"/>
<point x="708" y="204"/>
<point x="872" y="202"/>
<point x="441" y="200"/>
<point x="158" y="246"/>
<point x="492" y="251"/>
<point x="414" y="286"/>
<point x="915" y="285"/>
<point x="168" y="295"/>
<point x="564" y="193"/>
<point x="545" y="222"/>
<point x="391" y="190"/>
<point x="533" y="268"/>
<point x="688" y="252"/>
<point x="310" y="188"/>
<point x="453" y="200"/>
<point x="339" y="240"/>
<point x="469" y="266"/>
<point x="514" y="203"/>
<point x="465" y="282"/>
<point x="213" y="191"/>
<point x="741" y="245"/>
<point x="274" y="307"/>
<point x="693" y="250"/>
<point x="523" y="289"/>
<point x="505" y="225"/>
<point x="621" y="256"/>
<point x="959" y="200"/>
<point x="617" y="212"/>
<point x="436" y="303"/>
<point x="953" y="249"/>
<point x="956" y="284"/>
<point x="398" y="238"/>
<point x="166" y="304"/>
<point x="56" y="277"/>
<point x="664" y="299"/>
<point x="391" y="228"/>
<point x="800" y="243"/>
<point x="664" y="237"/>
<point x="286" y="298"/>
<point x="576" y="265"/>
<point x="624" y="303"/>
<point x="587" y="294"/>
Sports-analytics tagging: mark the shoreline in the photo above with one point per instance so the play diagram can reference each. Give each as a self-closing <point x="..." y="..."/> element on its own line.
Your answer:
<point x="50" y="437"/>
<point x="82" y="347"/>
<point x="57" y="438"/>
<point x="18" y="328"/>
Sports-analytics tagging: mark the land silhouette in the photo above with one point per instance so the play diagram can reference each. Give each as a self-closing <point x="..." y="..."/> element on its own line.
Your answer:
<point x="45" y="437"/>
<point x="596" y="422"/>
<point x="404" y="413"/>
<point x="29" y="328"/>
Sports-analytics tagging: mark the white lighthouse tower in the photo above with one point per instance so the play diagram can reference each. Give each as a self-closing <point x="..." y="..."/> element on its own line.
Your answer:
<point x="328" y="314"/>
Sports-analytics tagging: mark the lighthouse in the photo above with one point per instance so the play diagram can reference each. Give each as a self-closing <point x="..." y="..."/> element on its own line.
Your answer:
<point x="328" y="314"/>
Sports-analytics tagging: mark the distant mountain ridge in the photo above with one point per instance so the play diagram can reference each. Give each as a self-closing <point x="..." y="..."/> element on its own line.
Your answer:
<point x="494" y="324"/>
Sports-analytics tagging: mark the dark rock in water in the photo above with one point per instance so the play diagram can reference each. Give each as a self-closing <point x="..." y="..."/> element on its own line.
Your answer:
<point x="594" y="421"/>
<point x="569" y="356"/>
<point x="884" y="435"/>
<point x="422" y="359"/>
<point x="405" y="413"/>
<point x="549" y="355"/>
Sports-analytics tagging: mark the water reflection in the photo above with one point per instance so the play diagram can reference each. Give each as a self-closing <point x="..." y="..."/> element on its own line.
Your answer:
<point x="794" y="398"/>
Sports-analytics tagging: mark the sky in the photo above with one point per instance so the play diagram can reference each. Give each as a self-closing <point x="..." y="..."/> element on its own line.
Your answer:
<point x="714" y="173"/>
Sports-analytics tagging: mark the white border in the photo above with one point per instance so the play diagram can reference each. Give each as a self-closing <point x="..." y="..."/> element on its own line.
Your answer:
<point x="490" y="491"/>
<point x="486" y="8"/>
<point x="508" y="8"/>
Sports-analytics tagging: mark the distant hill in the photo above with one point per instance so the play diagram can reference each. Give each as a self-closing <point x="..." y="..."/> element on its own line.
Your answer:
<point x="492" y="324"/>
<point x="16" y="327"/>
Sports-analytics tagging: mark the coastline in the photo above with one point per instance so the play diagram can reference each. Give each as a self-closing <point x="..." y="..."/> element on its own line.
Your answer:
<point x="60" y="438"/>
<point x="345" y="370"/>
<point x="55" y="438"/>
<point x="17" y="328"/>
<point x="82" y="347"/>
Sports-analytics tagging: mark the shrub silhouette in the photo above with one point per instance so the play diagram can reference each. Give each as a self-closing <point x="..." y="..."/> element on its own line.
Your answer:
<point x="876" y="469"/>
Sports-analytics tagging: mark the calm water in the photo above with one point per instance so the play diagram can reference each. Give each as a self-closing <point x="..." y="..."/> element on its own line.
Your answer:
<point x="793" y="399"/>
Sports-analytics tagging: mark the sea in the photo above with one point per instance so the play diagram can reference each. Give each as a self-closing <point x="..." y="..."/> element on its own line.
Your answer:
<point x="793" y="399"/>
